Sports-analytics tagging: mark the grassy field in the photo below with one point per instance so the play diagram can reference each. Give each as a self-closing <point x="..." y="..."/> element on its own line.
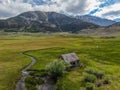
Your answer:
<point x="11" y="59"/>
<point x="97" y="53"/>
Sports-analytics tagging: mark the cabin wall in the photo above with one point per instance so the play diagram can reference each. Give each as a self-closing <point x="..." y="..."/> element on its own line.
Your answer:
<point x="76" y="63"/>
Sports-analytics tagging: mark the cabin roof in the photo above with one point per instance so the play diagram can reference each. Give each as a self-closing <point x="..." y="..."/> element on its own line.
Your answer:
<point x="71" y="57"/>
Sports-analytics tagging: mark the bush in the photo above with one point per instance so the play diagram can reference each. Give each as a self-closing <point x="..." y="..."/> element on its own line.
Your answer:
<point x="56" y="68"/>
<point x="39" y="81"/>
<point x="38" y="73"/>
<point x="34" y="81"/>
<point x="30" y="87"/>
<point x="89" y="86"/>
<point x="30" y="83"/>
<point x="98" y="74"/>
<point x="106" y="80"/>
<point x="99" y="84"/>
<point x="30" y="80"/>
<point x="89" y="78"/>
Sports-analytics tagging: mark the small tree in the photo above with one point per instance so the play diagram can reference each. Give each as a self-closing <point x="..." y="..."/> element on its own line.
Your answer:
<point x="56" y="69"/>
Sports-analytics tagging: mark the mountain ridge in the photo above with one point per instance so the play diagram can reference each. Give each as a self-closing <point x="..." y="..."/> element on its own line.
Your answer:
<point x="96" y="20"/>
<point x="38" y="21"/>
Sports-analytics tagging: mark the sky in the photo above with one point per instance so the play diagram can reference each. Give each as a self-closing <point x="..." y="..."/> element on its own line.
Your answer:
<point x="109" y="9"/>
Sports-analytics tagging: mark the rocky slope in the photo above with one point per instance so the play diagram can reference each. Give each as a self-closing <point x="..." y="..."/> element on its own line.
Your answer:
<point x="37" y="21"/>
<point x="96" y="20"/>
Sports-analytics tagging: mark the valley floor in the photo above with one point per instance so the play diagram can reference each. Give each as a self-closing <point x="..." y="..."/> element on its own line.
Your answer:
<point x="98" y="53"/>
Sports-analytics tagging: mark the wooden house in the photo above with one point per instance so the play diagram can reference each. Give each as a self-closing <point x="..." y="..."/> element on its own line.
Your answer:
<point x="71" y="58"/>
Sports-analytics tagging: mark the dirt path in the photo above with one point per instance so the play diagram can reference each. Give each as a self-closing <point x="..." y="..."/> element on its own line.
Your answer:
<point x="21" y="83"/>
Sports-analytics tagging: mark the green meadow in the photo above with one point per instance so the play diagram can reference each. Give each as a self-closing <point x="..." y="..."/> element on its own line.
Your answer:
<point x="98" y="53"/>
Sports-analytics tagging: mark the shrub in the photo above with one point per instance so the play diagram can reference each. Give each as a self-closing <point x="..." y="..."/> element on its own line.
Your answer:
<point x="56" y="68"/>
<point x="33" y="81"/>
<point x="30" y="87"/>
<point x="89" y="78"/>
<point x="98" y="74"/>
<point x="30" y="80"/>
<point x="106" y="80"/>
<point x="30" y="83"/>
<point x="98" y="84"/>
<point x="39" y="81"/>
<point x="38" y="73"/>
<point x="89" y="86"/>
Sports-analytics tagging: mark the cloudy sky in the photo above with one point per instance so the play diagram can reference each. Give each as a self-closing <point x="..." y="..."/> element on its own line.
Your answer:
<point x="109" y="9"/>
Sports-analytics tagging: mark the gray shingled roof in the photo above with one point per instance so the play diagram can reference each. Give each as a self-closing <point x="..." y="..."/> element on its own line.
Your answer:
<point x="71" y="57"/>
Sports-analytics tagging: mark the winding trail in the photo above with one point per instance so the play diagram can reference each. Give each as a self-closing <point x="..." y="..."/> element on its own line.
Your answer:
<point x="25" y="73"/>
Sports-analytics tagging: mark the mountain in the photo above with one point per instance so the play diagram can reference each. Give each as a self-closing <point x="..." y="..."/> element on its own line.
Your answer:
<point x="37" y="21"/>
<point x="96" y="20"/>
<point x="114" y="28"/>
<point x="111" y="30"/>
<point x="116" y="25"/>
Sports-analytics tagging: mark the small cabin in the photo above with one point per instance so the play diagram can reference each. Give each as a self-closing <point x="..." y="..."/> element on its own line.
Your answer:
<point x="71" y="58"/>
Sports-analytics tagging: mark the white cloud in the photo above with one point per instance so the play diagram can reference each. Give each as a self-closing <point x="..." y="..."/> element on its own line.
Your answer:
<point x="77" y="6"/>
<point x="9" y="8"/>
<point x="47" y="8"/>
<point x="110" y="12"/>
